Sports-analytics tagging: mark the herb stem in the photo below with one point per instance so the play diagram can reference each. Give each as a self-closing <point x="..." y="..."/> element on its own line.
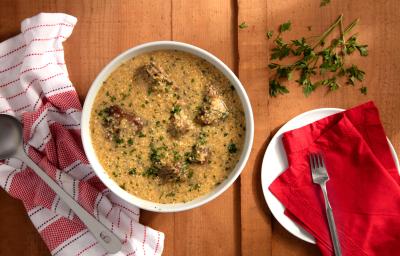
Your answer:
<point x="328" y="31"/>
<point x="343" y="41"/>
<point x="342" y="34"/>
<point x="350" y="26"/>
<point x="315" y="62"/>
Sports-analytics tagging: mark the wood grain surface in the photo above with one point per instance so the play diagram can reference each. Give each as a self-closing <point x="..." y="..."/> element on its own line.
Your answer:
<point x="238" y="222"/>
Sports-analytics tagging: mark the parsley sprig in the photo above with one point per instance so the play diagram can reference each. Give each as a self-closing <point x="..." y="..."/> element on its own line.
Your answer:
<point x="315" y="58"/>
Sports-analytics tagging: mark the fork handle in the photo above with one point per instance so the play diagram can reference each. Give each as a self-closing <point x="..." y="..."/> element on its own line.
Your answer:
<point x="331" y="222"/>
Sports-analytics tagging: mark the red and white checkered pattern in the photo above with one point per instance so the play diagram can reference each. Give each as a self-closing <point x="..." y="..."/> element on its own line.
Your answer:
<point x="34" y="86"/>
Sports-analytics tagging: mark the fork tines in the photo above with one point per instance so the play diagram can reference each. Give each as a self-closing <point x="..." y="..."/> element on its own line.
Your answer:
<point x="318" y="169"/>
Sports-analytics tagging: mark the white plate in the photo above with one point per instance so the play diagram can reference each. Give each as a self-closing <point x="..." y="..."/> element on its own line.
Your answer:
<point x="275" y="162"/>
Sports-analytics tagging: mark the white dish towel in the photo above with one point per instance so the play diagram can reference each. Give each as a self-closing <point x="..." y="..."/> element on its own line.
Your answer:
<point x="34" y="86"/>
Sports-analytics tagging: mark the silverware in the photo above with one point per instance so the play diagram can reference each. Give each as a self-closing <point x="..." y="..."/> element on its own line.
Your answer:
<point x="320" y="176"/>
<point x="11" y="146"/>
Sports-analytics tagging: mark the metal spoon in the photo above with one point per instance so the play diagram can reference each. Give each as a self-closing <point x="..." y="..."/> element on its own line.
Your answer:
<point x="11" y="146"/>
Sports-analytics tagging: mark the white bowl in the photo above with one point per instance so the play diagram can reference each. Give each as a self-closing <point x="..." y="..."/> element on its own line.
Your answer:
<point x="87" y="140"/>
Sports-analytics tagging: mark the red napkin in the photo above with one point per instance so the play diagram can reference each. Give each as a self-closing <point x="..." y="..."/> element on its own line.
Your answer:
<point x="363" y="188"/>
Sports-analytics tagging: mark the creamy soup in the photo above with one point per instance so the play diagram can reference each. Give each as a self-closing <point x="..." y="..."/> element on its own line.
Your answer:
<point x="167" y="126"/>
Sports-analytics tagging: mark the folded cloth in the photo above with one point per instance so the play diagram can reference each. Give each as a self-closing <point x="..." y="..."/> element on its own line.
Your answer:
<point x="363" y="188"/>
<point x="34" y="87"/>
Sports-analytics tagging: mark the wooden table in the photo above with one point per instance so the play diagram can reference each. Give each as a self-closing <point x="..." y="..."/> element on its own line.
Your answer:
<point x="239" y="221"/>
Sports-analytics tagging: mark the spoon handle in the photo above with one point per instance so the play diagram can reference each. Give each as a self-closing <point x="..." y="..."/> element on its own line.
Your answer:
<point x="102" y="234"/>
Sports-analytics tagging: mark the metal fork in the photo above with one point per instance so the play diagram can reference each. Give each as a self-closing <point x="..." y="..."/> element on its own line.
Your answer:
<point x="320" y="176"/>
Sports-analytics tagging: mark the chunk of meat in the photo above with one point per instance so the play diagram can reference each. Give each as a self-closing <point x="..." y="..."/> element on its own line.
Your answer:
<point x="160" y="79"/>
<point x="213" y="109"/>
<point x="117" y="121"/>
<point x="169" y="172"/>
<point x="200" y="154"/>
<point x="166" y="165"/>
<point x="179" y="124"/>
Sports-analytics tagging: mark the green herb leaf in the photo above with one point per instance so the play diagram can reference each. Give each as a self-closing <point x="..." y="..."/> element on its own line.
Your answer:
<point x="352" y="45"/>
<point x="364" y="90"/>
<point x="330" y="83"/>
<point x="270" y="34"/>
<point x="285" y="26"/>
<point x="285" y="72"/>
<point x="362" y="49"/>
<point x="281" y="50"/>
<point x="276" y="88"/>
<point x="354" y="73"/>
<point x="243" y="25"/>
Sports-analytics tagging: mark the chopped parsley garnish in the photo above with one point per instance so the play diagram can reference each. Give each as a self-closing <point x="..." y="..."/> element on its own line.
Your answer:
<point x="190" y="174"/>
<point x="202" y="138"/>
<point x="150" y="172"/>
<point x="177" y="156"/>
<point x="232" y="148"/>
<point x="130" y="142"/>
<point x="176" y="109"/>
<point x="195" y="186"/>
<point x="141" y="134"/>
<point x="124" y="96"/>
<point x="170" y="194"/>
<point x="118" y="140"/>
<point x="155" y="154"/>
<point x="132" y="171"/>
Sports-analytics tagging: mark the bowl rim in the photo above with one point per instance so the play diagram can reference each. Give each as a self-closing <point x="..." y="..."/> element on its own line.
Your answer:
<point x="87" y="139"/>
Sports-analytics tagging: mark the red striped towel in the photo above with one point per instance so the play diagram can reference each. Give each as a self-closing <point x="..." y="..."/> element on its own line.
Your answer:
<point x="34" y="86"/>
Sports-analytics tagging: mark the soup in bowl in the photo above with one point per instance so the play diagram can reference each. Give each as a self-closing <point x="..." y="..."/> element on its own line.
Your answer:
<point x="167" y="126"/>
